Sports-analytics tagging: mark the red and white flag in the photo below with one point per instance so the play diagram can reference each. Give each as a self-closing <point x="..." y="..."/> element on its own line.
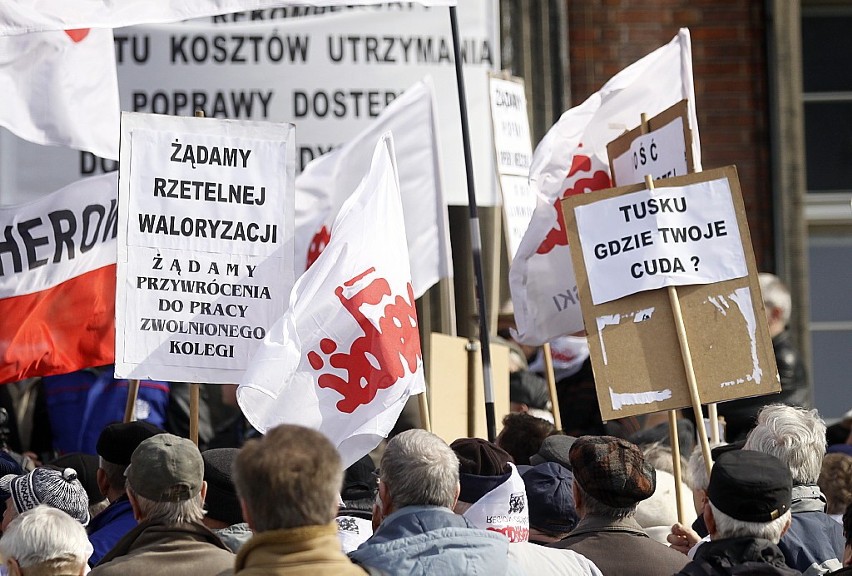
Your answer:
<point x="346" y="355"/>
<point x="57" y="281"/>
<point x="60" y="88"/>
<point x="24" y="16"/>
<point x="329" y="180"/>
<point x="572" y="159"/>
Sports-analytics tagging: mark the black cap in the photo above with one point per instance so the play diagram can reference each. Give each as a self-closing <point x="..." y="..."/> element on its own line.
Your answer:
<point x="221" y="502"/>
<point x="117" y="442"/>
<point x="750" y="486"/>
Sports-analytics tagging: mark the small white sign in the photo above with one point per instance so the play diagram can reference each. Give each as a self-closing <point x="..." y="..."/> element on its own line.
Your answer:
<point x="518" y="205"/>
<point x="661" y="237"/>
<point x="661" y="153"/>
<point x="511" y="127"/>
<point x="205" y="244"/>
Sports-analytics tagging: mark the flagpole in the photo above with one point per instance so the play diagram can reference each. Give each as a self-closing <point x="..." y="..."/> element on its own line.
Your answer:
<point x="475" y="237"/>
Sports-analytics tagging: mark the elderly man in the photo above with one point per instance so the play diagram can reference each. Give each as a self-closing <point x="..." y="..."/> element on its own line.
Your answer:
<point x="746" y="512"/>
<point x="814" y="543"/>
<point x="166" y="490"/>
<point x="418" y="533"/>
<point x="44" y="541"/>
<point x="288" y="482"/>
<point x="58" y="489"/>
<point x="610" y="478"/>
<point x="115" y="447"/>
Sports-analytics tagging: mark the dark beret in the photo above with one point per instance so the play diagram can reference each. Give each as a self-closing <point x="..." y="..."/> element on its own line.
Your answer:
<point x="554" y="449"/>
<point x="118" y="441"/>
<point x="550" y="498"/>
<point x="481" y="457"/>
<point x="221" y="502"/>
<point x="612" y="470"/>
<point x="750" y="486"/>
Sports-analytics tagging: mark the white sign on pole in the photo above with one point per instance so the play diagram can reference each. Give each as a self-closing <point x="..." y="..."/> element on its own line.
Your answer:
<point x="660" y="237"/>
<point x="205" y="250"/>
<point x="513" y="151"/>
<point x="330" y="74"/>
<point x="661" y="153"/>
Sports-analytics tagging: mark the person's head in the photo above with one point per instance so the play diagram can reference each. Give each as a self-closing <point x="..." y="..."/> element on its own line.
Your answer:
<point x="165" y="481"/>
<point x="550" y="498"/>
<point x="221" y="501"/>
<point x="45" y="541"/>
<point x="522" y="436"/>
<point x="555" y="448"/>
<point x="610" y="476"/>
<point x="58" y="489"/>
<point x="776" y="302"/>
<point x="847" y="533"/>
<point x="793" y="435"/>
<point x="417" y="469"/>
<point x="482" y="467"/>
<point x="749" y="495"/>
<point x="528" y="391"/>
<point x="288" y="478"/>
<point x="697" y="477"/>
<point x="115" y="446"/>
<point x="835" y="481"/>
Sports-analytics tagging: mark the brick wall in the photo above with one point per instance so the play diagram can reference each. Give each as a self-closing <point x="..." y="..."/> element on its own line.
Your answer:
<point x="729" y="63"/>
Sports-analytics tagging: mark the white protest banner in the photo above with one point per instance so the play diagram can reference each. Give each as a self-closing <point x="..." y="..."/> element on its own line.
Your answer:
<point x="570" y="160"/>
<point x="331" y="74"/>
<point x="671" y="236"/>
<point x="513" y="151"/>
<point x="25" y="16"/>
<point x="660" y="153"/>
<point x="57" y="281"/>
<point x="205" y="256"/>
<point x="60" y="89"/>
<point x="346" y="355"/>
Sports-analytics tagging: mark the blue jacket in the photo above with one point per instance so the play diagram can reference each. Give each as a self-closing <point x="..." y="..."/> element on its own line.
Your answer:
<point x="814" y="543"/>
<point x="110" y="526"/>
<point x="82" y="403"/>
<point x="421" y="540"/>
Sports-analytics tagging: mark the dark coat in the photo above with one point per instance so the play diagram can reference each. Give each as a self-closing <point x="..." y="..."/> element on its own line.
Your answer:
<point x="620" y="547"/>
<point x="751" y="556"/>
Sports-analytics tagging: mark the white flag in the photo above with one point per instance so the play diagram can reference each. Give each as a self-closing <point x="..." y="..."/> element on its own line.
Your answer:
<point x="60" y="89"/>
<point x="329" y="180"/>
<point x="346" y="355"/>
<point x="572" y="159"/>
<point x="23" y="16"/>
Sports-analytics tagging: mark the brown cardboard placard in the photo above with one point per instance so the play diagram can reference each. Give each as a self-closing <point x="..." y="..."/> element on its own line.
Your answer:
<point x="640" y="354"/>
<point x="622" y="144"/>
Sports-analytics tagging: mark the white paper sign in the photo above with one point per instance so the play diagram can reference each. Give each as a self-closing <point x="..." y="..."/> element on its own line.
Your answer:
<point x="661" y="153"/>
<point x="205" y="254"/>
<point x="661" y="237"/>
<point x="518" y="206"/>
<point x="511" y="127"/>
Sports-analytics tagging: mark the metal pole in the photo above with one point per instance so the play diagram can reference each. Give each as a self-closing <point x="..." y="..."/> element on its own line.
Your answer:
<point x="475" y="237"/>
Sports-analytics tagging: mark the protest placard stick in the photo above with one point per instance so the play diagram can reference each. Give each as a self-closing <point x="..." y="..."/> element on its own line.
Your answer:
<point x="194" y="401"/>
<point x="687" y="363"/>
<point x="551" y="385"/>
<point x="132" y="394"/>
<point x="713" y="415"/>
<point x="425" y="419"/>
<point x="675" y="444"/>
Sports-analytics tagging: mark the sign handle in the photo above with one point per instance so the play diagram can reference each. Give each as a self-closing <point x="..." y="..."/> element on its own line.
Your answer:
<point x="676" y="472"/>
<point x="194" y="403"/>
<point x="713" y="415"/>
<point x="425" y="419"/>
<point x="132" y="395"/>
<point x="551" y="385"/>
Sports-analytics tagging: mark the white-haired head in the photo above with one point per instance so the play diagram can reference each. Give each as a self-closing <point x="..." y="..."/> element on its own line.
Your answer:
<point x="46" y="540"/>
<point x="795" y="436"/>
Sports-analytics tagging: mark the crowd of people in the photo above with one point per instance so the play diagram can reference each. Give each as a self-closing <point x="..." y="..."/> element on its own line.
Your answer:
<point x="529" y="503"/>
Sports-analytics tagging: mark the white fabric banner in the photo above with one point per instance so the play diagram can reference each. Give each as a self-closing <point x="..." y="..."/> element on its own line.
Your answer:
<point x="60" y="89"/>
<point x="205" y="256"/>
<point x="329" y="180"/>
<point x="572" y="159"/>
<point x="25" y="16"/>
<point x="346" y="356"/>
<point x="660" y="237"/>
<point x="505" y="509"/>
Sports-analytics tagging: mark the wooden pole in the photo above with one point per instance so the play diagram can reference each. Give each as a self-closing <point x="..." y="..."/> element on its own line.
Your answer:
<point x="472" y="360"/>
<point x="132" y="395"/>
<point x="675" y="444"/>
<point x="713" y="415"/>
<point x="194" y="403"/>
<point x="425" y="419"/>
<point x="551" y="385"/>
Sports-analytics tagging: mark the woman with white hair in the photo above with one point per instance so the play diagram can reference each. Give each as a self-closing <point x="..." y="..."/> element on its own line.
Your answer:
<point x="45" y="541"/>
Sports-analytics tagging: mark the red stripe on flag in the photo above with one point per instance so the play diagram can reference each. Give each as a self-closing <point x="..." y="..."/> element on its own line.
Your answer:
<point x="59" y="330"/>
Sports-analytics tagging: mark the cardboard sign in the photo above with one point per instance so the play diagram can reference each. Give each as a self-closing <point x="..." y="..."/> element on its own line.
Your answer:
<point x="205" y="245"/>
<point x="670" y="236"/>
<point x="659" y="148"/>
<point x="513" y="152"/>
<point x="633" y="341"/>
